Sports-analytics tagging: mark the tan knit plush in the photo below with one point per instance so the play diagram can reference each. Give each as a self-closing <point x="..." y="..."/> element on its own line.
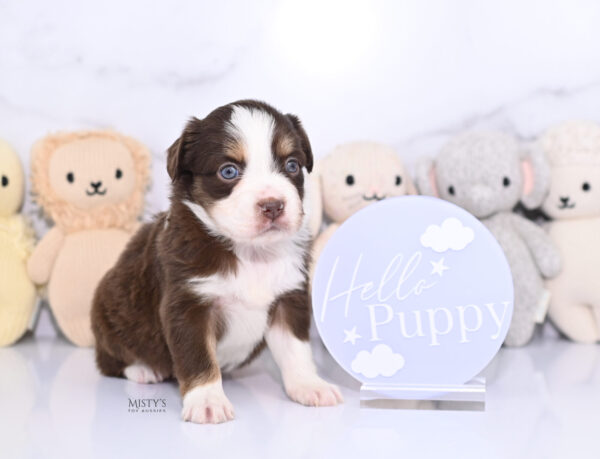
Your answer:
<point x="17" y="292"/>
<point x="92" y="185"/>
<point x="349" y="178"/>
<point x="573" y="203"/>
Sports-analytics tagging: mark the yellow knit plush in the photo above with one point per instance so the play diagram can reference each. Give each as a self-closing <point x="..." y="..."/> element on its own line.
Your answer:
<point x="17" y="292"/>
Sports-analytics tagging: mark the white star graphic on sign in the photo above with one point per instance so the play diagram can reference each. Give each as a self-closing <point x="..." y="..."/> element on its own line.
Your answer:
<point x="439" y="267"/>
<point x="351" y="336"/>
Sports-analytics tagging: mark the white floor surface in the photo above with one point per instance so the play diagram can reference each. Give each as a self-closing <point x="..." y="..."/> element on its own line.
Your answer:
<point x="542" y="401"/>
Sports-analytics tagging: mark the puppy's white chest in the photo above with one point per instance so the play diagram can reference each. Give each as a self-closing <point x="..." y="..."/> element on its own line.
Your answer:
<point x="244" y="300"/>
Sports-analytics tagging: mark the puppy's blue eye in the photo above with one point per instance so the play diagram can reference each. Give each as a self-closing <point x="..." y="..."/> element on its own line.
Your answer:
<point x="229" y="172"/>
<point x="292" y="166"/>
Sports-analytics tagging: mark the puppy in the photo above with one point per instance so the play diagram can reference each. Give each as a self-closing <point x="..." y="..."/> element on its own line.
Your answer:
<point x="203" y="288"/>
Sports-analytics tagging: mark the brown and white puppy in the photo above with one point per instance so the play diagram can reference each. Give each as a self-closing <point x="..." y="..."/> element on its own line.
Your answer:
<point x="202" y="288"/>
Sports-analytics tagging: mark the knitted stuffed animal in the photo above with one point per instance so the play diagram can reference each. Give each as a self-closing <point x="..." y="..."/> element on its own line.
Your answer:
<point x="573" y="149"/>
<point x="488" y="173"/>
<point x="17" y="292"/>
<point x="349" y="178"/>
<point x="91" y="184"/>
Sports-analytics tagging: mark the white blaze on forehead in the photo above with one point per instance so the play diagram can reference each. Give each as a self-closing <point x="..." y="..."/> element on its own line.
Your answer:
<point x="254" y="129"/>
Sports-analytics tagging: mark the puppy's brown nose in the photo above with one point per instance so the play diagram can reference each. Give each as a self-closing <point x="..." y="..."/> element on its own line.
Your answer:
<point x="271" y="208"/>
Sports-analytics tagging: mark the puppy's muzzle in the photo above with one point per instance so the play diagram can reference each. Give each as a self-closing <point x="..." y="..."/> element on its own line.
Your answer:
<point x="271" y="209"/>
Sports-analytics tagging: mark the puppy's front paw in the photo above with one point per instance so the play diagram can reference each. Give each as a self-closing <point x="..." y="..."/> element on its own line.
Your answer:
<point x="207" y="404"/>
<point x="314" y="392"/>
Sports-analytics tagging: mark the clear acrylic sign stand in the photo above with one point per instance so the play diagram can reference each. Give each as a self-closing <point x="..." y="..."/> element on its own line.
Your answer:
<point x="413" y="297"/>
<point x="459" y="397"/>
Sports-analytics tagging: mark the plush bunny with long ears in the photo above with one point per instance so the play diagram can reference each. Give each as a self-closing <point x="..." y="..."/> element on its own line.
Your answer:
<point x="350" y="178"/>
<point x="488" y="174"/>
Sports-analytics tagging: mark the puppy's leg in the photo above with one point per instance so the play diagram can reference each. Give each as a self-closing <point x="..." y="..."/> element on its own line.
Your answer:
<point x="192" y="338"/>
<point x="206" y="403"/>
<point x="288" y="340"/>
<point x="108" y="365"/>
<point x="143" y="374"/>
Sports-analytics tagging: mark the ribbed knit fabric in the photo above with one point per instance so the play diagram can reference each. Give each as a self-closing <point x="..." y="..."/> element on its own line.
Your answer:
<point x="92" y="185"/>
<point x="573" y="149"/>
<point x="85" y="257"/>
<point x="17" y="292"/>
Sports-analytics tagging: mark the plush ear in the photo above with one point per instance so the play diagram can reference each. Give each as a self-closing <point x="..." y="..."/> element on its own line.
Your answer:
<point x="535" y="171"/>
<point x="303" y="140"/>
<point x="315" y="200"/>
<point x="425" y="177"/>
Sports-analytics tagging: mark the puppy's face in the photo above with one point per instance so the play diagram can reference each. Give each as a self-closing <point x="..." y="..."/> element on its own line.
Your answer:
<point x="241" y="171"/>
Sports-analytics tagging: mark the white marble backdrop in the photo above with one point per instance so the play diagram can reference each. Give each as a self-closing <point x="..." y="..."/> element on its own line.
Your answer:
<point x="407" y="72"/>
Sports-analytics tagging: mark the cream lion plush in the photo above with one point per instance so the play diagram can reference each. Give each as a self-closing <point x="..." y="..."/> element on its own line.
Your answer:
<point x="573" y="150"/>
<point x="92" y="185"/>
<point x="17" y="292"/>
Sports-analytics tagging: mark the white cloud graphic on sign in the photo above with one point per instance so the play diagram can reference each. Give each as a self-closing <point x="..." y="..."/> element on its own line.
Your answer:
<point x="451" y="235"/>
<point x="381" y="361"/>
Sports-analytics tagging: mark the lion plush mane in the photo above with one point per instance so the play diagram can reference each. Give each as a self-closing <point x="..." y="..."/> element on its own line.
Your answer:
<point x="66" y="215"/>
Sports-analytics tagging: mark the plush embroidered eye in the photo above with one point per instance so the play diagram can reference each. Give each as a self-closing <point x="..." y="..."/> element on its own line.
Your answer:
<point x="451" y="190"/>
<point x="586" y="187"/>
<point x="4" y="181"/>
<point x="506" y="182"/>
<point x="118" y="174"/>
<point x="350" y="180"/>
<point x="398" y="180"/>
<point x="70" y="177"/>
<point x="229" y="172"/>
<point x="292" y="166"/>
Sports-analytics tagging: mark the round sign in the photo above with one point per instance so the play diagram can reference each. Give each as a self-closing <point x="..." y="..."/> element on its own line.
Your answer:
<point x="413" y="290"/>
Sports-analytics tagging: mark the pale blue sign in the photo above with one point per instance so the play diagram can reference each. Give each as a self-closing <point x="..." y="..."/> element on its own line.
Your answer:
<point x="413" y="290"/>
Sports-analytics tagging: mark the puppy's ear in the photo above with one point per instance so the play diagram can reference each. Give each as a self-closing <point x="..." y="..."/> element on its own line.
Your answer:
<point x="303" y="140"/>
<point x="174" y="158"/>
<point x="175" y="153"/>
<point x="315" y="200"/>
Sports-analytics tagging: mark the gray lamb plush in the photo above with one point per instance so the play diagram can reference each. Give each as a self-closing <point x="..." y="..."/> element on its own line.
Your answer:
<point x="488" y="173"/>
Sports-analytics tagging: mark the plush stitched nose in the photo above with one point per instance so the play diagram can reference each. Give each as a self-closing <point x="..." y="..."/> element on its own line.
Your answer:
<point x="96" y="185"/>
<point x="565" y="200"/>
<point x="271" y="208"/>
